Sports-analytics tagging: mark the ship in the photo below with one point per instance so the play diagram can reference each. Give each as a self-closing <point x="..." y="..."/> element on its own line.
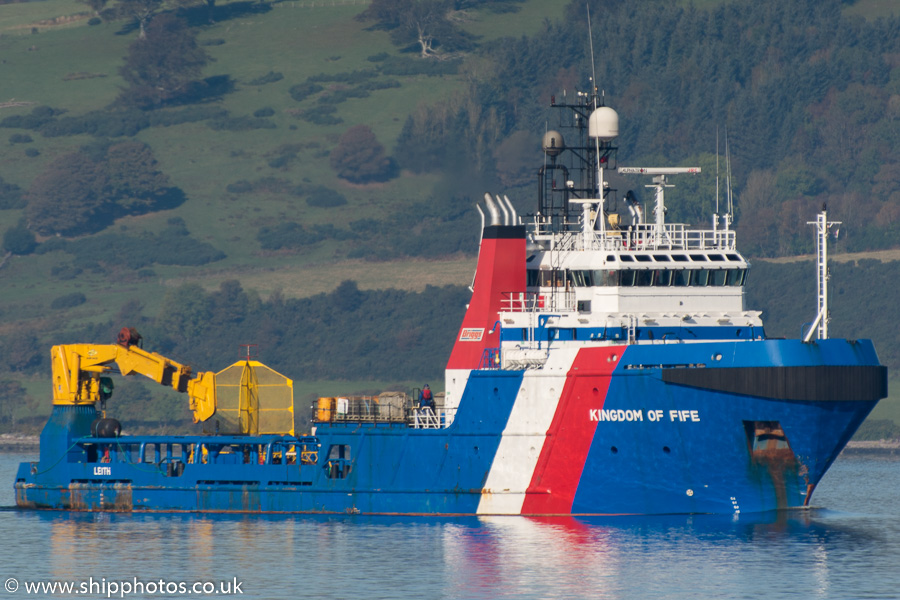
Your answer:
<point x="605" y="365"/>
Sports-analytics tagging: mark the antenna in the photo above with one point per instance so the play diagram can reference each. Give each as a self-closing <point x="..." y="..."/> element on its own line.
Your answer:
<point x="591" y="41"/>
<point x="820" y="325"/>
<point x="730" y="209"/>
<point x="717" y="172"/>
<point x="600" y="209"/>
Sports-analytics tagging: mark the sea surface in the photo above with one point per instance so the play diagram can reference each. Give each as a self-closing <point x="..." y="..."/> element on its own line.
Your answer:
<point x="847" y="547"/>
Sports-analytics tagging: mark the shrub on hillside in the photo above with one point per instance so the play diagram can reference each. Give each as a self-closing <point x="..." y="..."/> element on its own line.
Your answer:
<point x="98" y="123"/>
<point x="244" y="123"/>
<point x="172" y="246"/>
<point x="282" y="161"/>
<point x="409" y="67"/>
<point x="270" y="77"/>
<point x="239" y="187"/>
<point x="190" y="114"/>
<point x="66" y="271"/>
<point x="20" y="138"/>
<point x="338" y="96"/>
<point x="68" y="301"/>
<point x="19" y="240"/>
<point x="286" y="235"/>
<point x="360" y="158"/>
<point x="34" y="120"/>
<point x="267" y="111"/>
<point x="358" y="76"/>
<point x="10" y="196"/>
<point x="117" y="123"/>
<point x="380" y="84"/>
<point x="302" y="91"/>
<point x="270" y="185"/>
<point x="323" y="197"/>
<point x="321" y="115"/>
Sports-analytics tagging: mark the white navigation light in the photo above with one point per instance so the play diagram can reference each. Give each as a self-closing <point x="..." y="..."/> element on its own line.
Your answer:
<point x="604" y="124"/>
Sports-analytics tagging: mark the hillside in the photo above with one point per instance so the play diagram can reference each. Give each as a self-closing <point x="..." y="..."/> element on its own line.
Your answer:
<point x="159" y="215"/>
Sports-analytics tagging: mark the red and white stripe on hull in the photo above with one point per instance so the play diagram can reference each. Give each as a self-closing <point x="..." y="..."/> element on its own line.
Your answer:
<point x="543" y="448"/>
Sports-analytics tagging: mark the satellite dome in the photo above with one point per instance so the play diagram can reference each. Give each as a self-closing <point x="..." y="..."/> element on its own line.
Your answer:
<point x="604" y="124"/>
<point x="553" y="143"/>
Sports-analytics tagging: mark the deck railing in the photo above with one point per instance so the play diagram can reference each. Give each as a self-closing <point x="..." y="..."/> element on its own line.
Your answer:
<point x="647" y="236"/>
<point x="561" y="300"/>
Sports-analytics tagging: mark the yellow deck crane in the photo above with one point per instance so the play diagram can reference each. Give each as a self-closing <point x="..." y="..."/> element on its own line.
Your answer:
<point x="77" y="371"/>
<point x="248" y="397"/>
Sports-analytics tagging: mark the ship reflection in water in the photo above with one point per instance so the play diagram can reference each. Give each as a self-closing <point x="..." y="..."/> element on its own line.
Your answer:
<point x="814" y="553"/>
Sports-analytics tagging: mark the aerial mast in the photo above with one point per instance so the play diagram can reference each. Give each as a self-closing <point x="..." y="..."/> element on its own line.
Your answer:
<point x="821" y="323"/>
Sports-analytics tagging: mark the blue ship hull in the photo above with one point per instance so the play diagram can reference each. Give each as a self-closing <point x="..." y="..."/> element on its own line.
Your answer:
<point x="662" y="443"/>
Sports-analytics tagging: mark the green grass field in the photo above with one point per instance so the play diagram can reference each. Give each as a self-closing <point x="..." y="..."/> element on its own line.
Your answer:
<point x="297" y="39"/>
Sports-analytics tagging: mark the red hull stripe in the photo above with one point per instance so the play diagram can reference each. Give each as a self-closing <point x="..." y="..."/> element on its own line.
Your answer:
<point x="561" y="462"/>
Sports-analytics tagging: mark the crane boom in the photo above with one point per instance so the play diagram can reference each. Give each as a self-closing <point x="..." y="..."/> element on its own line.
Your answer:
<point x="77" y="369"/>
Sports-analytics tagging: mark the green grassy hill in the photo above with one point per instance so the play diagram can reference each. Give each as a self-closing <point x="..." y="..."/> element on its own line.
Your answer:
<point x="74" y="67"/>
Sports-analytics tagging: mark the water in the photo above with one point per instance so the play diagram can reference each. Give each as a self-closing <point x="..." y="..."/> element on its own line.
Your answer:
<point x="847" y="548"/>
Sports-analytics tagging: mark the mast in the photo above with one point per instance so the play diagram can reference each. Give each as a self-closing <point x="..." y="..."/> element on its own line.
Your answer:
<point x="821" y="323"/>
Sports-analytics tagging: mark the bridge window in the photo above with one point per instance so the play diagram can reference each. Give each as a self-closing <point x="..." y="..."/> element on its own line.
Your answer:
<point x="533" y="277"/>
<point x="718" y="277"/>
<point x="643" y="278"/>
<point x="699" y="277"/>
<point x="582" y="278"/>
<point x="681" y="278"/>
<point x="663" y="277"/>
<point x="736" y="277"/>
<point x="606" y="277"/>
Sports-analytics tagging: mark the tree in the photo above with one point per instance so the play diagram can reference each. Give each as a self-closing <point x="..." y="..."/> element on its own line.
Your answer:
<point x="360" y="158"/>
<point x="132" y="177"/>
<point x="162" y="65"/>
<point x="186" y="312"/>
<point x="422" y="23"/>
<point x="141" y="11"/>
<point x="64" y="199"/>
<point x="517" y="158"/>
<point x="82" y="192"/>
<point x="10" y="196"/>
<point x="19" y="240"/>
